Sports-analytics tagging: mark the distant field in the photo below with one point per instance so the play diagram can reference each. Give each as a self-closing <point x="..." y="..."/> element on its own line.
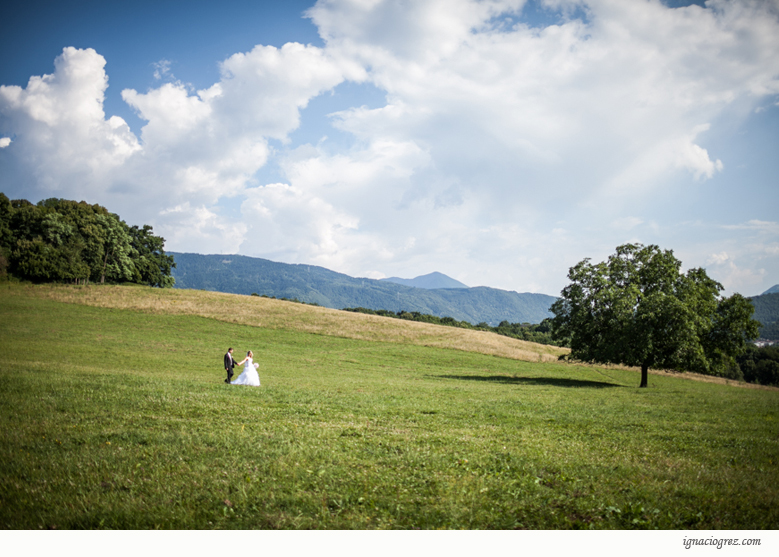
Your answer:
<point x="114" y="415"/>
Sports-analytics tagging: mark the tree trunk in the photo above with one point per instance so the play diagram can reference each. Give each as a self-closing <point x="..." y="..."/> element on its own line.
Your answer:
<point x="102" y="277"/>
<point x="644" y="375"/>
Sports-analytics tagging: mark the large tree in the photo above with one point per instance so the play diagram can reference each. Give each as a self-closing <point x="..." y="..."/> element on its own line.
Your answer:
<point x="638" y="309"/>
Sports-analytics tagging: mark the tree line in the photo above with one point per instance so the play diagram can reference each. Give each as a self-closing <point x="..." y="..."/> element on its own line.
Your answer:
<point x="57" y="240"/>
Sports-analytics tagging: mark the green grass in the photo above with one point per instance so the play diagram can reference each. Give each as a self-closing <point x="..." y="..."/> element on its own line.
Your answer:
<point x="120" y="419"/>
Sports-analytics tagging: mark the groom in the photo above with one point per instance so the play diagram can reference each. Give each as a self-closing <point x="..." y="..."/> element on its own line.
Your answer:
<point x="229" y="364"/>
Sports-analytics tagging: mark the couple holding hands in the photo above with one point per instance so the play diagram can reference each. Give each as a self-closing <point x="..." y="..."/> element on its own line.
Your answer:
<point x="249" y="376"/>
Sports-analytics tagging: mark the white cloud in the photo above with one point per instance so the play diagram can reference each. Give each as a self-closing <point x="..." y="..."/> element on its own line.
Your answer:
<point x="4" y="142"/>
<point x="622" y="97"/>
<point x="718" y="258"/>
<point x="62" y="135"/>
<point x="200" y="230"/>
<point x="265" y="89"/>
<point x="627" y="223"/>
<point x="768" y="227"/>
<point x="734" y="277"/>
<point x="749" y="262"/>
<point x="162" y="69"/>
<point x="293" y="225"/>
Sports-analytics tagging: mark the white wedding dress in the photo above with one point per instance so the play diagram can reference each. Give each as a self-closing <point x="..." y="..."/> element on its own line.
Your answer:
<point x="249" y="375"/>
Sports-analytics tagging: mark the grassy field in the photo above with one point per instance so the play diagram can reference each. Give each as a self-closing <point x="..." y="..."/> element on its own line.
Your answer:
<point x="114" y="414"/>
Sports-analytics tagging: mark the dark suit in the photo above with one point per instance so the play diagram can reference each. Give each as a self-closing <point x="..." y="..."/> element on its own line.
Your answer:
<point x="229" y="364"/>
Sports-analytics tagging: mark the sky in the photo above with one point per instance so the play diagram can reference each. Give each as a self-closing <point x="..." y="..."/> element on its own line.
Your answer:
<point x="499" y="141"/>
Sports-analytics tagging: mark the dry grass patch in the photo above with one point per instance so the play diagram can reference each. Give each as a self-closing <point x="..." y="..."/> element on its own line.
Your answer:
<point x="278" y="314"/>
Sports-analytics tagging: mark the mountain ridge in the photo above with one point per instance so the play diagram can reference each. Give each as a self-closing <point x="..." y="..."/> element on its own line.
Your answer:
<point x="430" y="281"/>
<point x="240" y="274"/>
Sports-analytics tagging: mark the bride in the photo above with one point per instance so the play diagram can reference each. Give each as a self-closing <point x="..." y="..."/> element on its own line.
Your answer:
<point x="249" y="374"/>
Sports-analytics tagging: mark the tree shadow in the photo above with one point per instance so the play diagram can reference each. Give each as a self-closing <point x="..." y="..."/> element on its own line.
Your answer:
<point x="548" y="381"/>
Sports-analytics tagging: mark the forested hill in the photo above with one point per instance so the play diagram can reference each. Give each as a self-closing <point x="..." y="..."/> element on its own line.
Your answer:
<point x="767" y="312"/>
<point x="307" y="283"/>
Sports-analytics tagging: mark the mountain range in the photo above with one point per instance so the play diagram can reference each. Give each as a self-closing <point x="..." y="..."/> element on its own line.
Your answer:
<point x="434" y="294"/>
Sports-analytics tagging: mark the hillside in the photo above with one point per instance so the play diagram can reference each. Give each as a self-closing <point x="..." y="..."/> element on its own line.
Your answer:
<point x="767" y="312"/>
<point x="280" y="315"/>
<point x="238" y="274"/>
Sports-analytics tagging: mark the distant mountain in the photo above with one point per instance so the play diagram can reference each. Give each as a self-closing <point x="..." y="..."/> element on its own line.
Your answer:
<point x="239" y="274"/>
<point x="433" y="281"/>
<point x="773" y="290"/>
<point x="767" y="312"/>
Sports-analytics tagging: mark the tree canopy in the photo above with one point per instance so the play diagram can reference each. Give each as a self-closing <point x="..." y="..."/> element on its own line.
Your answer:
<point x="58" y="240"/>
<point x="638" y="309"/>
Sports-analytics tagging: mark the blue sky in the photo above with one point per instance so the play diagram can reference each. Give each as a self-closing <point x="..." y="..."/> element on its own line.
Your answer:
<point x="499" y="142"/>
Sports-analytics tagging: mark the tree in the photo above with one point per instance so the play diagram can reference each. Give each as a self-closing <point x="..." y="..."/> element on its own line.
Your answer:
<point x="153" y="266"/>
<point x="6" y="234"/>
<point x="638" y="309"/>
<point x="117" y="252"/>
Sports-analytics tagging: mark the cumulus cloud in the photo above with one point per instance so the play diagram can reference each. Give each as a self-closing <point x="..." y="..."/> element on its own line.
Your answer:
<point x="622" y="96"/>
<point x="295" y="225"/>
<point x="735" y="276"/>
<point x="338" y="210"/>
<point x="62" y="134"/>
<point x="200" y="229"/>
<point x="196" y="147"/>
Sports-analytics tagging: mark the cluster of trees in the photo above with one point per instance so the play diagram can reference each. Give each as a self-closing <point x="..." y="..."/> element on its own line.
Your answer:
<point x="414" y="316"/>
<point x="760" y="365"/>
<point x="540" y="333"/>
<point x="638" y="309"/>
<point x="57" y="240"/>
<point x="285" y="299"/>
